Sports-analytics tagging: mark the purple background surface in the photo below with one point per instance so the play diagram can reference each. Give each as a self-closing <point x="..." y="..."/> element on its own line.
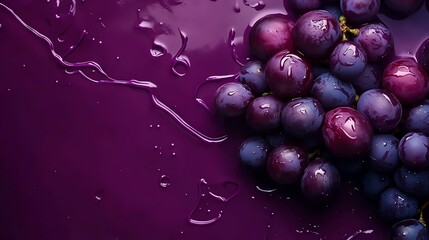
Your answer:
<point x="83" y="160"/>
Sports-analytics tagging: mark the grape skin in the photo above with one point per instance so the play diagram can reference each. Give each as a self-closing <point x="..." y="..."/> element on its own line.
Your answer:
<point x="231" y="99"/>
<point x="332" y="93"/>
<point x="414" y="151"/>
<point x="394" y="205"/>
<point x="254" y="151"/>
<point x="348" y="60"/>
<point x="383" y="153"/>
<point x="252" y="74"/>
<point x="377" y="41"/>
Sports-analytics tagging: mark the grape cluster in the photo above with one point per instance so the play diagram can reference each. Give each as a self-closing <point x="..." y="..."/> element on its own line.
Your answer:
<point x="327" y="98"/>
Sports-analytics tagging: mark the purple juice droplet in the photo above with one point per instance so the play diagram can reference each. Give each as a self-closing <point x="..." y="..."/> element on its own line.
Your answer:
<point x="164" y="181"/>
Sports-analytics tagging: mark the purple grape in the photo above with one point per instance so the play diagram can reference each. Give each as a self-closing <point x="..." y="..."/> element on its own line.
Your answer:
<point x="231" y="99"/>
<point x="304" y="6"/>
<point x="321" y="181"/>
<point x="333" y="9"/>
<point x="403" y="8"/>
<point x="316" y="33"/>
<point x="302" y="117"/>
<point x="374" y="183"/>
<point x="414" y="151"/>
<point x="409" y="229"/>
<point x="332" y="93"/>
<point x="407" y="80"/>
<point x="381" y="108"/>
<point x="288" y="75"/>
<point x="253" y="75"/>
<point x="377" y="41"/>
<point x="286" y="163"/>
<point x="263" y="113"/>
<point x="383" y="153"/>
<point x="347" y="61"/>
<point x="417" y="119"/>
<point x="254" y="152"/>
<point x="369" y="79"/>
<point x="346" y="132"/>
<point x="395" y="205"/>
<point x="360" y="11"/>
<point x="415" y="183"/>
<point x="270" y="35"/>
<point x="422" y="54"/>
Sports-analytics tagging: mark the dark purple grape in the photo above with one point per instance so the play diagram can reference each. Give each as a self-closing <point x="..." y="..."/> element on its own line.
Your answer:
<point x="374" y="183"/>
<point x="302" y="117"/>
<point x="407" y="80"/>
<point x="253" y="75"/>
<point x="316" y="33"/>
<point x="333" y="9"/>
<point x="417" y="119"/>
<point x="369" y="79"/>
<point x="321" y="181"/>
<point x="304" y="6"/>
<point x="288" y="75"/>
<point x="377" y="41"/>
<point x="232" y="98"/>
<point x="347" y="61"/>
<point x="286" y="163"/>
<point x="381" y="108"/>
<point x="254" y="152"/>
<point x="346" y="132"/>
<point x="409" y="229"/>
<point x="271" y="34"/>
<point x="263" y="113"/>
<point x="394" y="205"/>
<point x="415" y="183"/>
<point x="360" y="11"/>
<point x="332" y="93"/>
<point x="383" y="153"/>
<point x="403" y="8"/>
<point x="414" y="151"/>
<point x="422" y="54"/>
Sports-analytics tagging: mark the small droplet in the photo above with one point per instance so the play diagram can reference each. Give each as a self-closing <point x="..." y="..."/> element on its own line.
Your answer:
<point x="164" y="181"/>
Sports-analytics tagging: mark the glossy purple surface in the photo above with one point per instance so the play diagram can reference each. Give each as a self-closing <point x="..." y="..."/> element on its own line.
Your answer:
<point x="84" y="160"/>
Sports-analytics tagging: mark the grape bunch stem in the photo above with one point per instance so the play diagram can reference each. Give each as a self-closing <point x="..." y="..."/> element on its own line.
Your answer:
<point x="346" y="29"/>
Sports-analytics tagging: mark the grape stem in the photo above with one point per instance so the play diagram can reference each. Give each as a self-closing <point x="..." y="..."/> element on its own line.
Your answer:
<point x="346" y="29"/>
<point x="421" y="219"/>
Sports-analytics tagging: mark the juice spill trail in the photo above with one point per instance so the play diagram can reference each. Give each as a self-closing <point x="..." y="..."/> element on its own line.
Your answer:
<point x="146" y="85"/>
<point x="210" y="201"/>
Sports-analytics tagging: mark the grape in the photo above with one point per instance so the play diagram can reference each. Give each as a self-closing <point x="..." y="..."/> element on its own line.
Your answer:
<point x="403" y="8"/>
<point x="263" y="113"/>
<point x="254" y="151"/>
<point x="270" y="35"/>
<point x="369" y="79"/>
<point x="415" y="183"/>
<point x="288" y="75"/>
<point x="394" y="205"/>
<point x="414" y="151"/>
<point x="347" y="61"/>
<point x="383" y="153"/>
<point x="374" y="183"/>
<point x="381" y="108"/>
<point x="409" y="229"/>
<point x="305" y="6"/>
<point x="346" y="132"/>
<point x="231" y="99"/>
<point x="377" y="41"/>
<point x="422" y="54"/>
<point x="316" y="33"/>
<point x="334" y="10"/>
<point x="332" y="93"/>
<point x="407" y="80"/>
<point x="286" y="163"/>
<point x="302" y="117"/>
<point x="252" y="75"/>
<point x="417" y="119"/>
<point x="360" y="11"/>
<point x="321" y="181"/>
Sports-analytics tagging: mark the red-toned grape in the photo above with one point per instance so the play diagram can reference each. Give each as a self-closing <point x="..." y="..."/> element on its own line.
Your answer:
<point x="346" y="132"/>
<point x="377" y="41"/>
<point x="270" y="35"/>
<point x="288" y="75"/>
<point x="407" y="80"/>
<point x="360" y="11"/>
